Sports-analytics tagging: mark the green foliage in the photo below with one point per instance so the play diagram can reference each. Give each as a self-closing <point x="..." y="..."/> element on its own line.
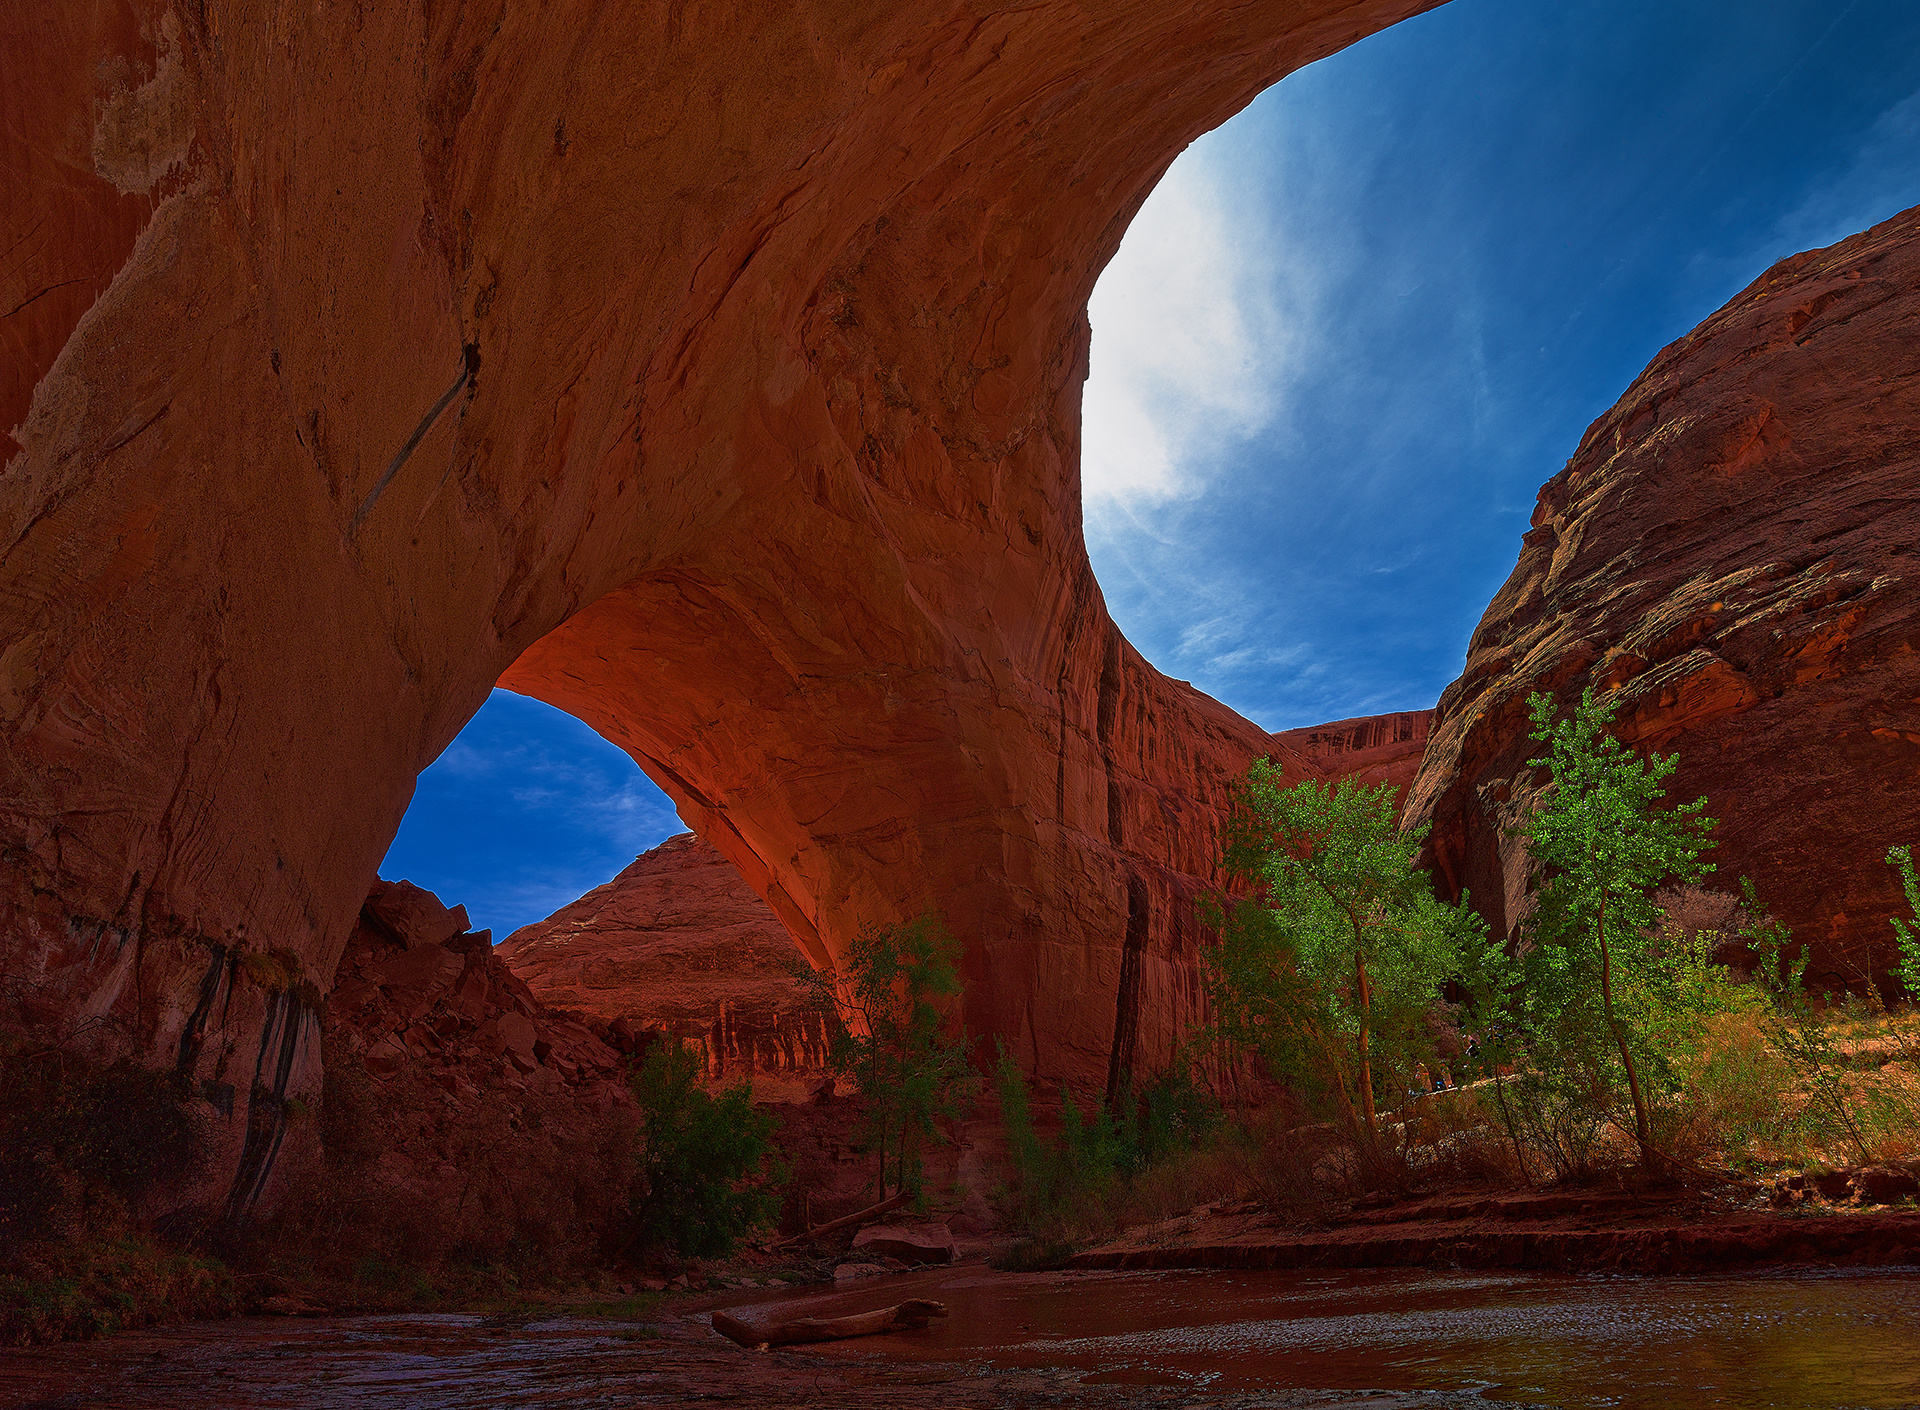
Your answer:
<point x="1073" y="1179"/>
<point x="1596" y="985"/>
<point x="900" y="984"/>
<point x="1332" y="968"/>
<point x="1175" y="1114"/>
<point x="1906" y="932"/>
<point x="705" y="1163"/>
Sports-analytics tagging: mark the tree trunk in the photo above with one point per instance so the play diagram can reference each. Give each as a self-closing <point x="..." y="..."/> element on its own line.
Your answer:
<point x="1366" y="1062"/>
<point x="1642" y="1127"/>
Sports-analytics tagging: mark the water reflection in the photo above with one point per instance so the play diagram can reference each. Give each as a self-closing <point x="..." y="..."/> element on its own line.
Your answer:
<point x="1813" y="1339"/>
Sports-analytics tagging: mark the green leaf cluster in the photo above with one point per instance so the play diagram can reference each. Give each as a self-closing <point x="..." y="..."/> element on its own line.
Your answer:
<point x="899" y="985"/>
<point x="1906" y="932"/>
<point x="1096" y="1151"/>
<point x="1603" y="998"/>
<point x="707" y="1168"/>
<point x="1332" y="966"/>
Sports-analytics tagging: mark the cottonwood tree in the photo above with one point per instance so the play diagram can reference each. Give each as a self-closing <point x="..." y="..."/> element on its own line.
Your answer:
<point x="1605" y="842"/>
<point x="1332" y="967"/>
<point x="893" y="999"/>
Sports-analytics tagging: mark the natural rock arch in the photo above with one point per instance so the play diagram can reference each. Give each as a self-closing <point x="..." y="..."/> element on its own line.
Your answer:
<point x="362" y="356"/>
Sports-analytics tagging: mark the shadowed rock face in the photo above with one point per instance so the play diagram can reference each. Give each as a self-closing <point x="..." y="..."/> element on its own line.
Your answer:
<point x="679" y="943"/>
<point x="1734" y="550"/>
<point x="712" y="372"/>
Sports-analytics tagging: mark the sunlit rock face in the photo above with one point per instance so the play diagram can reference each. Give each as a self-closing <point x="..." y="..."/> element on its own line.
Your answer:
<point x="716" y="369"/>
<point x="1734" y="552"/>
<point x="679" y="944"/>
<point x="1372" y="750"/>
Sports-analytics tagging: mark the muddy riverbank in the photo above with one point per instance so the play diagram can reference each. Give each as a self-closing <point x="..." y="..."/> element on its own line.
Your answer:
<point x="1600" y="1230"/>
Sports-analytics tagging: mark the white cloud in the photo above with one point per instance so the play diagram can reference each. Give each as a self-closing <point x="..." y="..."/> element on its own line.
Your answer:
<point x="1193" y="338"/>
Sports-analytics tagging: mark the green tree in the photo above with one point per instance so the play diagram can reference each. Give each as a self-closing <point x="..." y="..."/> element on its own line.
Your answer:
<point x="1606" y="844"/>
<point x="1334" y="964"/>
<point x="899" y="985"/>
<point x="706" y="1164"/>
<point x="1906" y="933"/>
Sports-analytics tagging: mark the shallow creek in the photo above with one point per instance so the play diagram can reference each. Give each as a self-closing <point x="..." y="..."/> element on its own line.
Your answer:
<point x="1380" y="1338"/>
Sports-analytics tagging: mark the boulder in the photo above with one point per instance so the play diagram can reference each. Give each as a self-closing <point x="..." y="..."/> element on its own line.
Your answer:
<point x="910" y="1243"/>
<point x="412" y="915"/>
<point x="1882" y="1184"/>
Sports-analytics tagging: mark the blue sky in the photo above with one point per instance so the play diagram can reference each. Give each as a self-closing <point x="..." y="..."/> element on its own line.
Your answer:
<point x="1343" y="344"/>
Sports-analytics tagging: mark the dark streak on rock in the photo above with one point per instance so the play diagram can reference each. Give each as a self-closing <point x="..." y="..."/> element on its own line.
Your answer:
<point x="469" y="368"/>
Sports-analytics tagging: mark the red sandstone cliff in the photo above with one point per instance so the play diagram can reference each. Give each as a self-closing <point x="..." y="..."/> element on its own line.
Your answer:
<point x="1372" y="750"/>
<point x="678" y="943"/>
<point x="712" y="373"/>
<point x="458" y="1110"/>
<point x="1734" y="552"/>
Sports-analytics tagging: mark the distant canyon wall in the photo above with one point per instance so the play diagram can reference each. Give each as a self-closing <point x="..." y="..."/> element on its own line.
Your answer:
<point x="1733" y="554"/>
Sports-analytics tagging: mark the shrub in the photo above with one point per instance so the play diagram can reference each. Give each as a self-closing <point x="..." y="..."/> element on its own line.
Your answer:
<point x="1096" y="1169"/>
<point x="705" y="1163"/>
<point x="1906" y="932"/>
<point x="75" y="1134"/>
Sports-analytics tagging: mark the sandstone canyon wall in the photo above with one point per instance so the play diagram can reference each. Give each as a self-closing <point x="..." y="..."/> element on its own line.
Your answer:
<point x="679" y="943"/>
<point x="1734" y="553"/>
<point x="715" y="368"/>
<point x="1371" y="750"/>
<point x="459" y="1111"/>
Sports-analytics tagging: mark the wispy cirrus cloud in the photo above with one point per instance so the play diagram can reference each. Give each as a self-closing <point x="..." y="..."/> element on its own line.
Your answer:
<point x="525" y="812"/>
<point x="1197" y="327"/>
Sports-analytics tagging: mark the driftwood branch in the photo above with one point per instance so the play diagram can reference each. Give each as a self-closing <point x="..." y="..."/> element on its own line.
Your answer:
<point x="908" y="1316"/>
<point x="886" y="1206"/>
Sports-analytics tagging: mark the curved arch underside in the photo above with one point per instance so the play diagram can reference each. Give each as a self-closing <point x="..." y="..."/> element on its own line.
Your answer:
<point x="710" y="371"/>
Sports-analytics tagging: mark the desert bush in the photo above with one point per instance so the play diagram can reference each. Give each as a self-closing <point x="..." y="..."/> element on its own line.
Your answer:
<point x="706" y="1164"/>
<point x="80" y="1139"/>
<point x="1096" y="1170"/>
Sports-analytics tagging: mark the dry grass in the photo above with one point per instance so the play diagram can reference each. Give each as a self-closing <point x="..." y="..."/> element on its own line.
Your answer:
<point x="74" y="1289"/>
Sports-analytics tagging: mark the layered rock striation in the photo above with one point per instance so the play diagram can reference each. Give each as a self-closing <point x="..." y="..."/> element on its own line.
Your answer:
<point x="1371" y="750"/>
<point x="713" y="374"/>
<point x="1733" y="555"/>
<point x="679" y="944"/>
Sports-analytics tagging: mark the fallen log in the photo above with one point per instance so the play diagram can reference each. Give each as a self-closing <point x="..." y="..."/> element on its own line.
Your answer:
<point x="908" y="1316"/>
<point x="861" y="1216"/>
